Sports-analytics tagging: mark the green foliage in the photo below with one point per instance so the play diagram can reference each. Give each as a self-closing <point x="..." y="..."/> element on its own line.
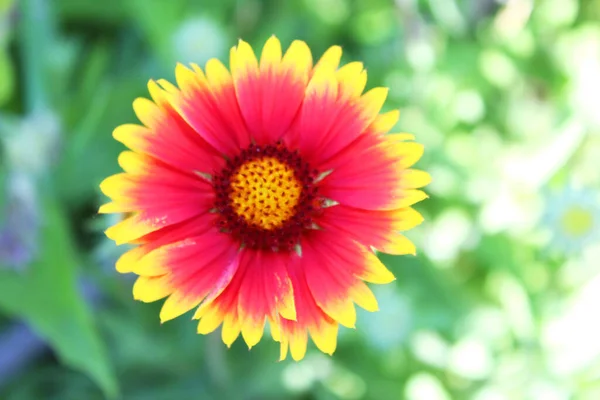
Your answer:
<point x="47" y="296"/>
<point x="503" y="95"/>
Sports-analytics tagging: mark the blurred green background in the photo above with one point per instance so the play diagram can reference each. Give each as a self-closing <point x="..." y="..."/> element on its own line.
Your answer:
<point x="501" y="301"/>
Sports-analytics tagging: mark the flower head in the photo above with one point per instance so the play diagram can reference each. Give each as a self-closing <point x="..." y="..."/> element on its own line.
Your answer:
<point x="259" y="195"/>
<point x="573" y="216"/>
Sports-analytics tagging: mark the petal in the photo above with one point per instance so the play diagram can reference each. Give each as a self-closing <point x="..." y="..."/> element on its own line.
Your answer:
<point x="317" y="114"/>
<point x="329" y="61"/>
<point x="127" y="260"/>
<point x="231" y="327"/>
<point x="384" y="122"/>
<point x="329" y="277"/>
<point x="148" y="182"/>
<point x="271" y="93"/>
<point x="408" y="153"/>
<point x="135" y="164"/>
<point x="134" y="227"/>
<point x="147" y="112"/>
<point x="225" y="289"/>
<point x="135" y="261"/>
<point x="408" y="198"/>
<point x="325" y="336"/>
<point x="211" y="111"/>
<point x="374" y="271"/>
<point x="152" y="219"/>
<point x="398" y="245"/>
<point x="332" y="117"/>
<point x="149" y="289"/>
<point x="363" y="296"/>
<point x="147" y="264"/>
<point x="373" y="228"/>
<point x="204" y="264"/>
<point x="222" y="85"/>
<point x="413" y="179"/>
<point x="352" y="79"/>
<point x="293" y="334"/>
<point x="353" y="120"/>
<point x="212" y="318"/>
<point x="178" y="303"/>
<point x="298" y="60"/>
<point x="297" y="342"/>
<point x="265" y="291"/>
<point x="221" y="306"/>
<point x="379" y="173"/>
<point x="195" y="265"/>
<point x="253" y="331"/>
<point x="167" y="136"/>
<point x="271" y="54"/>
<point x="157" y="196"/>
<point x="394" y="138"/>
<point x="242" y="60"/>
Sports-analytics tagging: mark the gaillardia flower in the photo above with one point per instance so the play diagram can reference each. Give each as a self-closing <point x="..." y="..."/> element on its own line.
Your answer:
<point x="573" y="217"/>
<point x="260" y="195"/>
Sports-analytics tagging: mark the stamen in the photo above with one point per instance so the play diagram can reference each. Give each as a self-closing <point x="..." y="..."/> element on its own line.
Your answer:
<point x="267" y="197"/>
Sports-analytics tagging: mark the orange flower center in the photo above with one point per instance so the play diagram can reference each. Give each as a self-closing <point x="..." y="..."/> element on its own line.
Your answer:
<point x="267" y="197"/>
<point x="265" y="192"/>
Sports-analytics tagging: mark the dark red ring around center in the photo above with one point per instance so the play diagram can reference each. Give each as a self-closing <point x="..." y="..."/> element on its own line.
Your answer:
<point x="285" y="237"/>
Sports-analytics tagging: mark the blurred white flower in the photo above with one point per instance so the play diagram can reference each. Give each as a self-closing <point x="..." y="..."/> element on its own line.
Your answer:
<point x="31" y="144"/>
<point x="570" y="336"/>
<point x="578" y="53"/>
<point x="199" y="39"/>
<point x="424" y="385"/>
<point x="573" y="217"/>
<point x="300" y="377"/>
<point x="470" y="358"/>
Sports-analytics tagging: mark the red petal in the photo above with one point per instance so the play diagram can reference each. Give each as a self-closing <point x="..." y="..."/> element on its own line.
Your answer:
<point x="209" y="108"/>
<point x="369" y="227"/>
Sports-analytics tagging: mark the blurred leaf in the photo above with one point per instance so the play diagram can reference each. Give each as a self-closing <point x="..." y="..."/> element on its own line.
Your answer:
<point x="35" y="38"/>
<point x="3" y="197"/>
<point x="5" y="4"/>
<point x="92" y="153"/>
<point x="46" y="296"/>
<point x="6" y="77"/>
<point x="106" y="11"/>
<point x="92" y="73"/>
<point x="438" y="296"/>
<point x="158" y="23"/>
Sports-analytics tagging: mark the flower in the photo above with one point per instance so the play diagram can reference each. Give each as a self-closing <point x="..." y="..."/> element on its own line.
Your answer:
<point x="29" y="145"/>
<point x="259" y="195"/>
<point x="573" y="217"/>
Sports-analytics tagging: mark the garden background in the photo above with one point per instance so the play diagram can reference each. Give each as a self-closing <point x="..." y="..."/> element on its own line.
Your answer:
<point x="501" y="301"/>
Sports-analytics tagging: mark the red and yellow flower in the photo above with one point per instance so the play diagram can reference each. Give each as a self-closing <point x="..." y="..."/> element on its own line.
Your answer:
<point x="260" y="195"/>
